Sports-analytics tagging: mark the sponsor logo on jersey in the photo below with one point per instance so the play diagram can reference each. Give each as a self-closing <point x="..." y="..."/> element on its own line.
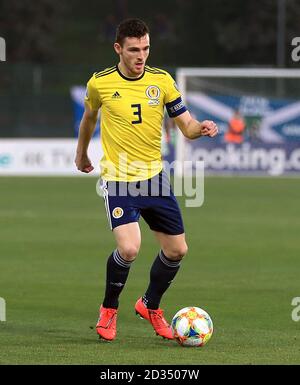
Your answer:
<point x="117" y="212"/>
<point x="116" y="95"/>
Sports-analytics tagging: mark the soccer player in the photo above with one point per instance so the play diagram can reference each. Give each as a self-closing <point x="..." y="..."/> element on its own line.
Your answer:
<point x="132" y="97"/>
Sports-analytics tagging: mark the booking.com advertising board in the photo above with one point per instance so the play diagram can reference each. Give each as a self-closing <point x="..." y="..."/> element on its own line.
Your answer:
<point x="257" y="135"/>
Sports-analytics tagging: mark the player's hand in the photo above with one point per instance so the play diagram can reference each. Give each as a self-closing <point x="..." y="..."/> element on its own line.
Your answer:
<point x="209" y="128"/>
<point x="83" y="163"/>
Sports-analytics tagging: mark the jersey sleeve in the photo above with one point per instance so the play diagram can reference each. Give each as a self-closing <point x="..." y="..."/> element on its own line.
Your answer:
<point x="173" y="100"/>
<point x="92" y="97"/>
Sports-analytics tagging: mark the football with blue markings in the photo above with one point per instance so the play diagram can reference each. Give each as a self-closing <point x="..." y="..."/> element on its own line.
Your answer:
<point x="192" y="326"/>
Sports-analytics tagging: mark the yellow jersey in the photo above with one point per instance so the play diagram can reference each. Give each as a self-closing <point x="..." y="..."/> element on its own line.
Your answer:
<point x="132" y="111"/>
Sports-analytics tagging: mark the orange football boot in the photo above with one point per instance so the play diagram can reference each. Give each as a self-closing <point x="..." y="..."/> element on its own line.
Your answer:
<point x="156" y="318"/>
<point x="107" y="323"/>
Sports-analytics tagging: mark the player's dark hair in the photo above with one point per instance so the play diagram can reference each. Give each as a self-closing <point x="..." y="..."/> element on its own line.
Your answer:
<point x="131" y="28"/>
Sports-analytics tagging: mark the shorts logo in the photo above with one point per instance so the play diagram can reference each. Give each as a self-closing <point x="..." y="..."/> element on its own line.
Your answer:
<point x="117" y="212"/>
<point x="153" y="92"/>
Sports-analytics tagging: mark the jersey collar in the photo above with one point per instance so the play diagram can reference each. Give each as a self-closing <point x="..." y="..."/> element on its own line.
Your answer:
<point x="126" y="78"/>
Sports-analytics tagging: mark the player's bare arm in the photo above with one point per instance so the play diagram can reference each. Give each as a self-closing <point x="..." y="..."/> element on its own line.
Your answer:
<point x="193" y="129"/>
<point x="86" y="130"/>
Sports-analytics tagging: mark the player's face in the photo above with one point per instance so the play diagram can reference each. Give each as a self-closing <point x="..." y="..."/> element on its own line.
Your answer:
<point x="133" y="54"/>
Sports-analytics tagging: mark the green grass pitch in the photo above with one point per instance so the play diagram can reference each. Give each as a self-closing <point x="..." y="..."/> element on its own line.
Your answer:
<point x="243" y="267"/>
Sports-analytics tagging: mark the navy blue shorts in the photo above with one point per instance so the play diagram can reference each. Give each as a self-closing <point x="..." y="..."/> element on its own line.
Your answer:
<point x="153" y="199"/>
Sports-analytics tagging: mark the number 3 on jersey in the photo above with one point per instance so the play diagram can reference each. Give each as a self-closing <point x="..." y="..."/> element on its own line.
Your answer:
<point x="138" y="112"/>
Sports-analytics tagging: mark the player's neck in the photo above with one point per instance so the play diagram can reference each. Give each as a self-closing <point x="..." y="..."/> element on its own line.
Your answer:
<point x="124" y="71"/>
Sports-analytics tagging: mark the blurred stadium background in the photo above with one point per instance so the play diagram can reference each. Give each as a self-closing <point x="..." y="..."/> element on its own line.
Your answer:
<point x="54" y="238"/>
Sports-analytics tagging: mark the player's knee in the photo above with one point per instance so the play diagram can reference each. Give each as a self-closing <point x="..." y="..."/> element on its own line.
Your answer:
<point x="185" y="249"/>
<point x="177" y="252"/>
<point x="129" y="252"/>
<point x="182" y="251"/>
